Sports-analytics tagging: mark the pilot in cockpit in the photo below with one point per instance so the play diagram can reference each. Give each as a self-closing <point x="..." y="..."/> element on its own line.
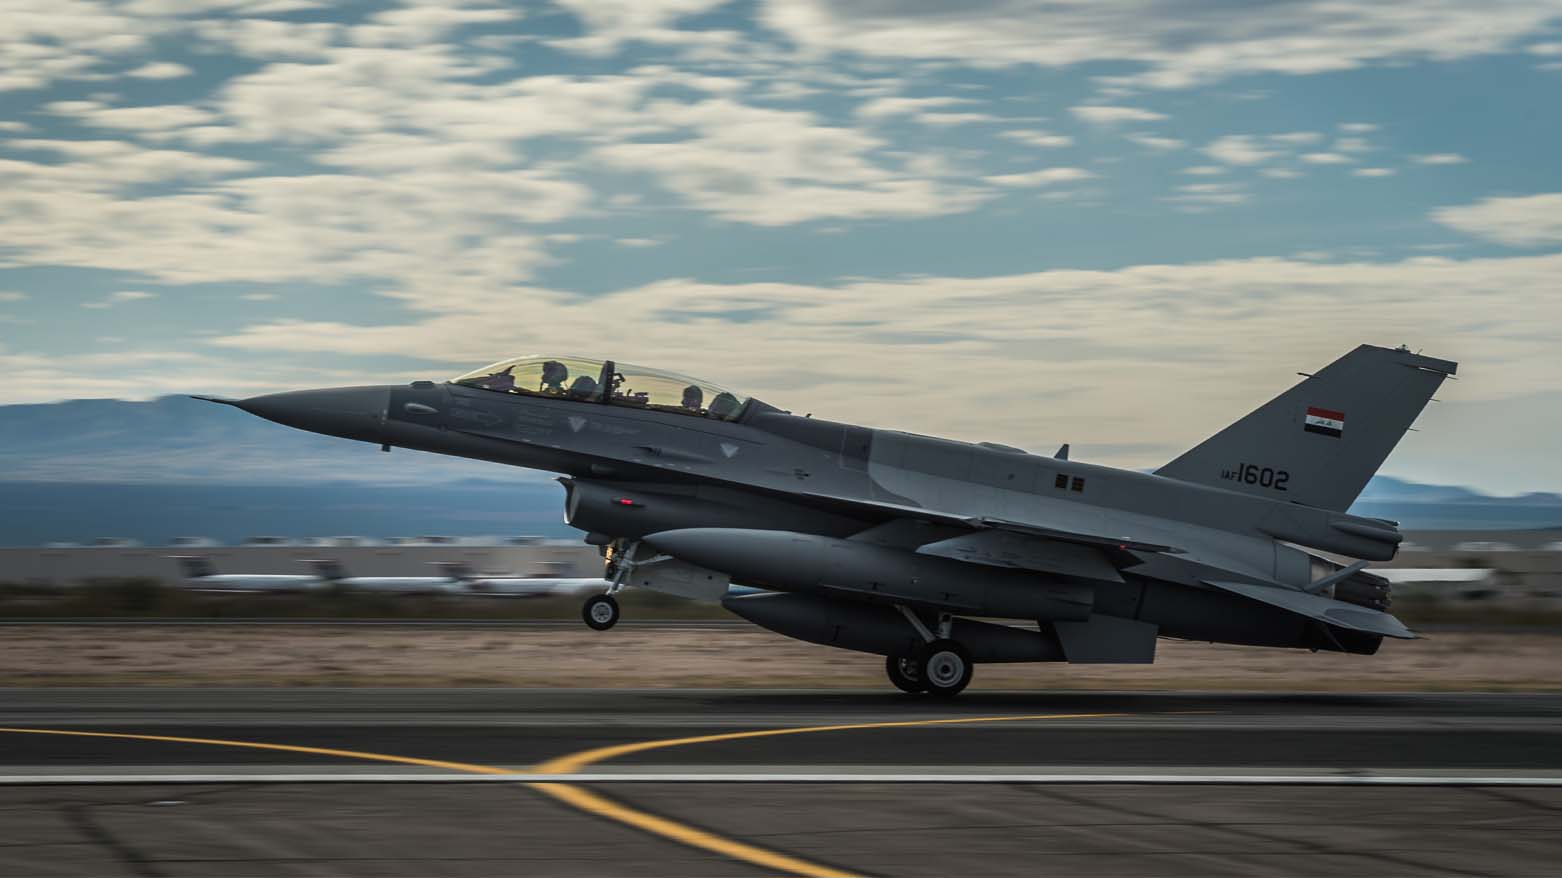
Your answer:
<point x="724" y="405"/>
<point x="554" y="374"/>
<point x="584" y="387"/>
<point x="693" y="398"/>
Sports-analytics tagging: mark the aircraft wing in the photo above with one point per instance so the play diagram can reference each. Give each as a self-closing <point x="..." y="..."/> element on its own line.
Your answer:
<point x="981" y="523"/>
<point x="1323" y="609"/>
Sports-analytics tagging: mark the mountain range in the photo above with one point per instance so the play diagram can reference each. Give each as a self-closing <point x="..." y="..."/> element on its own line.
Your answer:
<point x="82" y="469"/>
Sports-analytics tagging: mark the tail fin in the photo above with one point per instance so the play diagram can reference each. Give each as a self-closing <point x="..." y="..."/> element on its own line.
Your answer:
<point x="196" y="566"/>
<point x="328" y="569"/>
<point x="455" y="570"/>
<point x="1299" y="445"/>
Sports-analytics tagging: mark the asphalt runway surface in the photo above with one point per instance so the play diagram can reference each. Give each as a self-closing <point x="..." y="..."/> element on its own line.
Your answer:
<point x="232" y="782"/>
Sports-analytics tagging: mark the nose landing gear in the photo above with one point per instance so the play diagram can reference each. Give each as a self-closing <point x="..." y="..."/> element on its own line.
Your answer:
<point x="600" y="612"/>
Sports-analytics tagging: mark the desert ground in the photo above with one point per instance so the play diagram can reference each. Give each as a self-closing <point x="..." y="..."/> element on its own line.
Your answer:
<point x="736" y="655"/>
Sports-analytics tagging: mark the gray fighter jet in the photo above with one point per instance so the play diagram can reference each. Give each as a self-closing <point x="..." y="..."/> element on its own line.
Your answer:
<point x="902" y="545"/>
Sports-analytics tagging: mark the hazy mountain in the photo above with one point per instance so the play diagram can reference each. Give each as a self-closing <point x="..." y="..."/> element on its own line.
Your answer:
<point x="181" y="440"/>
<point x="175" y="466"/>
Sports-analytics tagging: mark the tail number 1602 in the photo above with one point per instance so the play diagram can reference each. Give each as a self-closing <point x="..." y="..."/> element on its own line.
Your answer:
<point x="1253" y="474"/>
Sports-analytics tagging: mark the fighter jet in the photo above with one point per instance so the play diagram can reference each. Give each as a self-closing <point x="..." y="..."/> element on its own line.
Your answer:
<point x="937" y="554"/>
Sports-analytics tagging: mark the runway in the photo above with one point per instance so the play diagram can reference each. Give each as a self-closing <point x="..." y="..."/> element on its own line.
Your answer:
<point x="823" y="782"/>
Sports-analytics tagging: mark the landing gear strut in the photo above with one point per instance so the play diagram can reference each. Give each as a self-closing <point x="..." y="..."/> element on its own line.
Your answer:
<point x="941" y="667"/>
<point x="601" y="611"/>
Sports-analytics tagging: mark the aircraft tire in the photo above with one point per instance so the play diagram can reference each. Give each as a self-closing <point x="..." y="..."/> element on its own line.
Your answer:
<point x="600" y="612"/>
<point x="905" y="673"/>
<point x="945" y="667"/>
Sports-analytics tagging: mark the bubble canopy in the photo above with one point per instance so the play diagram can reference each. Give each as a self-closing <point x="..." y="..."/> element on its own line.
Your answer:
<point x="623" y="384"/>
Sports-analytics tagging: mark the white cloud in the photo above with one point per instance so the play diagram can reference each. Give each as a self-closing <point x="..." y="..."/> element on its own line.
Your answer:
<point x="415" y="228"/>
<point x="1155" y="142"/>
<point x="1439" y="158"/>
<point x="419" y="24"/>
<point x="1180" y="44"/>
<point x="1374" y="172"/>
<point x="160" y="70"/>
<point x="1204" y="170"/>
<point x="147" y="120"/>
<point x="272" y="40"/>
<point x="1325" y="158"/>
<point x="1037" y="138"/>
<point x="776" y="167"/>
<point x="1280" y="173"/>
<point x="1239" y="149"/>
<point x="1102" y="114"/>
<point x="12" y="296"/>
<point x="1296" y="138"/>
<point x="1352" y="144"/>
<point x="1199" y="197"/>
<point x="882" y="108"/>
<point x="1544" y="49"/>
<point x="1358" y="127"/>
<point x="43" y="41"/>
<point x="946" y="120"/>
<point x="638" y="243"/>
<point x="925" y="111"/>
<point x="1524" y="221"/>
<point x="611" y="23"/>
<point x="119" y="298"/>
<point x="1043" y="177"/>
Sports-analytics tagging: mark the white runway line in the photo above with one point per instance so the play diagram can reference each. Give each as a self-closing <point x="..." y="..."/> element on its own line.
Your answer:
<point x="1351" y="779"/>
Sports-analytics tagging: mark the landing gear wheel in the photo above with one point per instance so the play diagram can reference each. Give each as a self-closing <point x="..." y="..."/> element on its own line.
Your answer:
<point x="905" y="673"/>
<point x="945" y="668"/>
<point x="600" y="612"/>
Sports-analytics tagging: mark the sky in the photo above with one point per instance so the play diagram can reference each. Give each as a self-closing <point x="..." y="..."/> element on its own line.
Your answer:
<point x="1119" y="225"/>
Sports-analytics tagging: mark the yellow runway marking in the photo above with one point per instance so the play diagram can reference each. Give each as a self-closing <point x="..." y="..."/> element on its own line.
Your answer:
<point x="258" y="745"/>
<point x="577" y="761"/>
<point x="601" y="806"/>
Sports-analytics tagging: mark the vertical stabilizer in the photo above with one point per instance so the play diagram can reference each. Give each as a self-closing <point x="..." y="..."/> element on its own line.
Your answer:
<point x="456" y="571"/>
<point x="1319" y="442"/>
<point x="196" y="566"/>
<point x="328" y="569"/>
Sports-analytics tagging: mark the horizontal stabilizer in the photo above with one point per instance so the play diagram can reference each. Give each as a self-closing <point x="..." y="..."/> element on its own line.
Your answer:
<point x="1326" y="610"/>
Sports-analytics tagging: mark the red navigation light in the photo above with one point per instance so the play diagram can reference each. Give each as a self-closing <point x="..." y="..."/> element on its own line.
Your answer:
<point x="625" y="501"/>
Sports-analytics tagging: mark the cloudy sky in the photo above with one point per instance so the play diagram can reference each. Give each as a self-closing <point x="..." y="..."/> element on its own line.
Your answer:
<point x="1120" y="225"/>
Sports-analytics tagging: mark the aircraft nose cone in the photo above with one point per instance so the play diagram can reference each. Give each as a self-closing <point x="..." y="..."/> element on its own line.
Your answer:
<point x="349" y="412"/>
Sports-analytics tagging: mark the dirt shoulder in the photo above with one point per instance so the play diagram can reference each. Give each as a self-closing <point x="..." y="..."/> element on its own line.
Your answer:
<point x="666" y="657"/>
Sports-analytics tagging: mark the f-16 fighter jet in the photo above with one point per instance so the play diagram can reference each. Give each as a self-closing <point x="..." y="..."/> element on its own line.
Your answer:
<point x="909" y="546"/>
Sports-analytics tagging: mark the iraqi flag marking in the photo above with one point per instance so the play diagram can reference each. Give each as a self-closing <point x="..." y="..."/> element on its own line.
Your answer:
<point x="1326" y="422"/>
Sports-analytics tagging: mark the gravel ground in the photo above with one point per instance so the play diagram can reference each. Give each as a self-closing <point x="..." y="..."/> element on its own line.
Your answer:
<point x="667" y="657"/>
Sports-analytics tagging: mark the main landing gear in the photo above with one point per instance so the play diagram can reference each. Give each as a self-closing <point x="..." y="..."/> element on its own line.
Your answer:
<point x="940" y="667"/>
<point x="905" y="673"/>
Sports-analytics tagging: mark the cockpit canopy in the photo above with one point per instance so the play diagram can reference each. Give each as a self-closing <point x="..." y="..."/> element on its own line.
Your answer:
<point x="622" y="384"/>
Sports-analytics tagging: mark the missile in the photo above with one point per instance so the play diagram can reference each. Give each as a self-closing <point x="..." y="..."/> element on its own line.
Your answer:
<point x="853" y="570"/>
